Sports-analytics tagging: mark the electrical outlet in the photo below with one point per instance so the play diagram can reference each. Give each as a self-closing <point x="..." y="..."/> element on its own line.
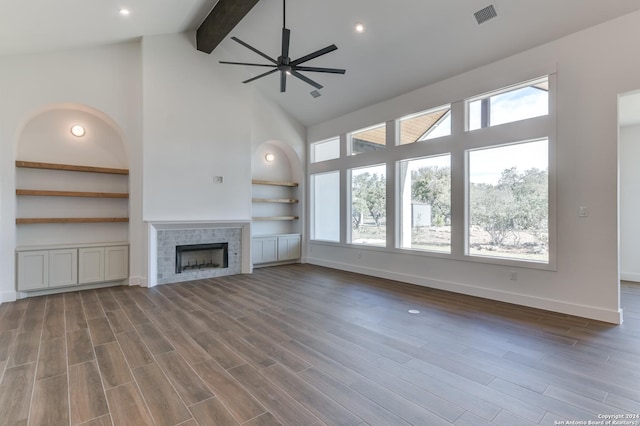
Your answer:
<point x="218" y="179"/>
<point x="583" y="212"/>
<point x="513" y="276"/>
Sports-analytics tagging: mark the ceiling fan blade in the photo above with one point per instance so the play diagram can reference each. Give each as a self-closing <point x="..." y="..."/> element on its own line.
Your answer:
<point x="286" y="36"/>
<point x="248" y="46"/>
<point x="246" y="63"/>
<point x="260" y="76"/>
<point x="306" y="79"/>
<point x="314" y="55"/>
<point x="316" y="69"/>
<point x="283" y="81"/>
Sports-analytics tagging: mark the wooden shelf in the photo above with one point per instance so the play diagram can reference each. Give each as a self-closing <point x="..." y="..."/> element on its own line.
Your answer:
<point x="265" y="218"/>
<point x="274" y="183"/>
<point x="42" y="193"/>
<point x="275" y="200"/>
<point x="70" y="168"/>
<point x="29" y="221"/>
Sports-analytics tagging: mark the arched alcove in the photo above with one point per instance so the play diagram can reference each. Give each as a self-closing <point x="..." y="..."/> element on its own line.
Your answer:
<point x="94" y="204"/>
<point x="277" y="211"/>
<point x="46" y="137"/>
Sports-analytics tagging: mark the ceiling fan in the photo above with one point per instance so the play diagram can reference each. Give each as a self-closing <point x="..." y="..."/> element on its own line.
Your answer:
<point x="284" y="64"/>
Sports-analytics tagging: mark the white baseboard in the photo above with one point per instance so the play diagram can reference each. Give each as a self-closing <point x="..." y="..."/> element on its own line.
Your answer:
<point x="138" y="281"/>
<point x="8" y="296"/>
<point x="630" y="276"/>
<point x="591" y="312"/>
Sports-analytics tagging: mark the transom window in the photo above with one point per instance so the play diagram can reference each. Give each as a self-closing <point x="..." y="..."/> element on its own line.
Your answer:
<point x="425" y="125"/>
<point x="516" y="103"/>
<point x="370" y="139"/>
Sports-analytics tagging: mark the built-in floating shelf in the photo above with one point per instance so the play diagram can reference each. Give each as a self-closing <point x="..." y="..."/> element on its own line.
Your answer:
<point x="43" y="193"/>
<point x="275" y="200"/>
<point x="274" y="183"/>
<point x="275" y="218"/>
<point x="71" y="168"/>
<point x="36" y="220"/>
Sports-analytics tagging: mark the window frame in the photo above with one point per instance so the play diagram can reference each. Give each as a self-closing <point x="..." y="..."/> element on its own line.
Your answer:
<point x="456" y="144"/>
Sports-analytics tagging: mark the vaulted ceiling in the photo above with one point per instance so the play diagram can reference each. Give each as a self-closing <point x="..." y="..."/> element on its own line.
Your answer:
<point x="406" y="43"/>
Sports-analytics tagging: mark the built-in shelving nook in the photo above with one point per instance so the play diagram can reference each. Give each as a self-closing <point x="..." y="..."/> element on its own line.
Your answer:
<point x="72" y="201"/>
<point x="276" y="205"/>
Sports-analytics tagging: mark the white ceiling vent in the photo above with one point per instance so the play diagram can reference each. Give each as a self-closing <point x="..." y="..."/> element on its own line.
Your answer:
<point x="483" y="15"/>
<point x="315" y="94"/>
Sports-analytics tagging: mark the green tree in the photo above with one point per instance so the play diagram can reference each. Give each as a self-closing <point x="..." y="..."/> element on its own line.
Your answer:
<point x="432" y="185"/>
<point x="368" y="197"/>
<point x="518" y="202"/>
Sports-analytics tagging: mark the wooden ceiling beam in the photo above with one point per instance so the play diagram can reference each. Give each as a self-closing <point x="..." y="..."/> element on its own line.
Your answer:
<point x="223" y="18"/>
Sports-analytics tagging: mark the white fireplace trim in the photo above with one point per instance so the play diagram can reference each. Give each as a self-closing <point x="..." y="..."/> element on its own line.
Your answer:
<point x="154" y="227"/>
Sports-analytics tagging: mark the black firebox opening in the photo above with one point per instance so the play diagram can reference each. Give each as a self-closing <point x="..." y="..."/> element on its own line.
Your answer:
<point x="196" y="257"/>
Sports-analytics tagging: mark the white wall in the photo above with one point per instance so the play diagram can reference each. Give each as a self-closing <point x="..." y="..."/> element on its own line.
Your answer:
<point x="630" y="203"/>
<point x="197" y="119"/>
<point x="593" y="67"/>
<point x="106" y="79"/>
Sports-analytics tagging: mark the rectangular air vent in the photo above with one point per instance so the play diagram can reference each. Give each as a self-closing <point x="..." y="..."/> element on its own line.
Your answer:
<point x="483" y="15"/>
<point x="315" y="94"/>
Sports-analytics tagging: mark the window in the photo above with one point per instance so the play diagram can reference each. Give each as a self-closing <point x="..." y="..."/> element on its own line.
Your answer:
<point x="369" y="205"/>
<point x="425" y="125"/>
<point x="325" y="150"/>
<point x="509" y="202"/>
<point x="369" y="139"/>
<point x="325" y="206"/>
<point x="524" y="101"/>
<point x="425" y="203"/>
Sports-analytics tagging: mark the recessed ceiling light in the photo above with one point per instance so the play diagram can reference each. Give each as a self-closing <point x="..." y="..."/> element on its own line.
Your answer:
<point x="359" y="27"/>
<point x="77" y="130"/>
<point x="124" y="12"/>
<point x="269" y="157"/>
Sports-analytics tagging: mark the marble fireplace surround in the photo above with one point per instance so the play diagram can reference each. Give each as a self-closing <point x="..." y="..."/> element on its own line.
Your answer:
<point x="164" y="236"/>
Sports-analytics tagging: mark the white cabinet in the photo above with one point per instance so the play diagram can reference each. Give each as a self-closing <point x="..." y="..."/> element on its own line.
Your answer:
<point x="33" y="269"/>
<point x="63" y="267"/>
<point x="288" y="247"/>
<point x="275" y="248"/>
<point x="91" y="265"/>
<point x="41" y="269"/>
<point x="116" y="263"/>
<point x="264" y="250"/>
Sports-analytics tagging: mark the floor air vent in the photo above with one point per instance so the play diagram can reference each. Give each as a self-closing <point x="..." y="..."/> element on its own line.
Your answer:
<point x="483" y="15"/>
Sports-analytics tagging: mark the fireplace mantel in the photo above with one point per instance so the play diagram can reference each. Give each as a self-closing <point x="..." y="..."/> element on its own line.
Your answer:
<point x="181" y="232"/>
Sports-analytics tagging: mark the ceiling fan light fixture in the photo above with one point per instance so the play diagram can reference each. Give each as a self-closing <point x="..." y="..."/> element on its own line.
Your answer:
<point x="284" y="64"/>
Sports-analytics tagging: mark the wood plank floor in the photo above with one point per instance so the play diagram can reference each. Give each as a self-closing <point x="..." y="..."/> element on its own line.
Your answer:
<point x="304" y="345"/>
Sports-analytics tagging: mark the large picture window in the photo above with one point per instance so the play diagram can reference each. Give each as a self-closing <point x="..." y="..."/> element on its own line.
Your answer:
<point x="509" y="202"/>
<point x="369" y="205"/>
<point x="325" y="206"/>
<point x="483" y="196"/>
<point x="425" y="203"/>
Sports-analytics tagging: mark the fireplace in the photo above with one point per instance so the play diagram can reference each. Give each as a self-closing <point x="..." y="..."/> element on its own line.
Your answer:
<point x="200" y="257"/>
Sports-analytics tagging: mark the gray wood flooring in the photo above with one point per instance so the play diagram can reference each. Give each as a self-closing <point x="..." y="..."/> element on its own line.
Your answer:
<point x="304" y="345"/>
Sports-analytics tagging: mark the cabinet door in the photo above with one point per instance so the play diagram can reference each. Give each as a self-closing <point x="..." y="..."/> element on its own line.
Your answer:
<point x="116" y="263"/>
<point x="90" y="265"/>
<point x="33" y="270"/>
<point x="265" y="249"/>
<point x="63" y="267"/>
<point x="288" y="247"/>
